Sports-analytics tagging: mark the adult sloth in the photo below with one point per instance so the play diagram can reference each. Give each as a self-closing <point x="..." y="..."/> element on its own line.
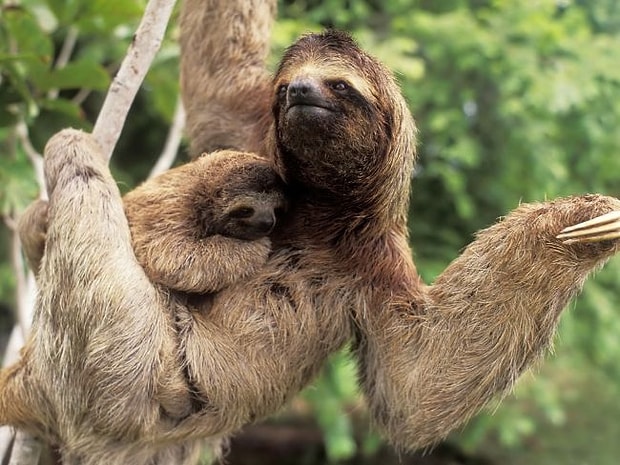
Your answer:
<point x="107" y="363"/>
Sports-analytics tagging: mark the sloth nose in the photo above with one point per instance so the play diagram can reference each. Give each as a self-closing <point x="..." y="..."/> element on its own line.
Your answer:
<point x="263" y="222"/>
<point x="304" y="90"/>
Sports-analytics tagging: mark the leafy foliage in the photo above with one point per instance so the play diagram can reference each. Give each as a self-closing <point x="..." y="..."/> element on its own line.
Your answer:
<point x="515" y="101"/>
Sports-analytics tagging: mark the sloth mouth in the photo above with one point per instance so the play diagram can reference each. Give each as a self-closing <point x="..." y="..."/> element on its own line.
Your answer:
<point x="310" y="102"/>
<point x="310" y="107"/>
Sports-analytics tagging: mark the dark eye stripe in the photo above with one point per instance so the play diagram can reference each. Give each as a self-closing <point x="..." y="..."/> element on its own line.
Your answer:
<point x="241" y="212"/>
<point x="282" y="90"/>
<point x="354" y="96"/>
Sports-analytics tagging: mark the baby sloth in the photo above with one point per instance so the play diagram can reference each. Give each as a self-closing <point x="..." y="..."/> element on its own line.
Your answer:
<point x="204" y="225"/>
<point x="196" y="228"/>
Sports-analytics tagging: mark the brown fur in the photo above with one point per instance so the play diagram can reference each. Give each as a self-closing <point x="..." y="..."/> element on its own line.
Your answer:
<point x="196" y="228"/>
<point x="106" y="354"/>
<point x="201" y="226"/>
<point x="225" y="87"/>
<point x="435" y="355"/>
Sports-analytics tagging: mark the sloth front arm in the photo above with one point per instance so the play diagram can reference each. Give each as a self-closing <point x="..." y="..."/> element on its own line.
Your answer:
<point x="102" y="353"/>
<point x="431" y="357"/>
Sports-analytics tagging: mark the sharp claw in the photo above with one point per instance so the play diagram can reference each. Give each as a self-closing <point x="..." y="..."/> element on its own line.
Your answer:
<point x="602" y="228"/>
<point x="593" y="230"/>
<point x="582" y="240"/>
<point x="599" y="220"/>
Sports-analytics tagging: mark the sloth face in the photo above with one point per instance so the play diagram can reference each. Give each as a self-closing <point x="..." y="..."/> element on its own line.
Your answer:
<point x="251" y="217"/>
<point x="247" y="205"/>
<point x="254" y="202"/>
<point x="333" y="114"/>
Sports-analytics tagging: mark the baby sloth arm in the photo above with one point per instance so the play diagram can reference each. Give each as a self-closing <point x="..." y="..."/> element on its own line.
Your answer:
<point x="32" y="229"/>
<point x="204" y="225"/>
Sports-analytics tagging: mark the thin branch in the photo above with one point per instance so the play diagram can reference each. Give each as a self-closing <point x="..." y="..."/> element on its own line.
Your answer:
<point x="146" y="43"/>
<point x="67" y="48"/>
<point x="24" y="314"/>
<point x="26" y="449"/>
<point x="35" y="157"/>
<point x="80" y="97"/>
<point x="169" y="153"/>
<point x="65" y="55"/>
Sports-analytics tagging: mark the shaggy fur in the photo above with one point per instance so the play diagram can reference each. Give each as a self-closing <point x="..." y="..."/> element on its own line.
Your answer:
<point x="113" y="361"/>
<point x="225" y="87"/>
<point x="204" y="225"/>
<point x="196" y="228"/>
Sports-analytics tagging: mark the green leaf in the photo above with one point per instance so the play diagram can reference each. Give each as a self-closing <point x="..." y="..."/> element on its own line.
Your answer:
<point x="64" y="107"/>
<point x="76" y="75"/>
<point x="28" y="36"/>
<point x="9" y="105"/>
<point x="162" y="83"/>
<point x="339" y="441"/>
<point x="14" y="90"/>
<point x="329" y="397"/>
<point x="66" y="10"/>
<point x="107" y="15"/>
<point x="17" y="183"/>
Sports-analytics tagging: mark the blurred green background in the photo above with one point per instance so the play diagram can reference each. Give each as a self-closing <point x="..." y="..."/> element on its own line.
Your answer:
<point x="516" y="101"/>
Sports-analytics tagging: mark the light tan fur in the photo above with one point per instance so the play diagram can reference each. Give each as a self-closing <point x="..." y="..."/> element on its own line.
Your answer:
<point x="107" y="357"/>
<point x="225" y="86"/>
<point x="204" y="225"/>
<point x="195" y="228"/>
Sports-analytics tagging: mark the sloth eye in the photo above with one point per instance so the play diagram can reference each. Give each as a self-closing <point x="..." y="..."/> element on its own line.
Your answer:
<point x="339" y="86"/>
<point x="282" y="90"/>
<point x="241" y="212"/>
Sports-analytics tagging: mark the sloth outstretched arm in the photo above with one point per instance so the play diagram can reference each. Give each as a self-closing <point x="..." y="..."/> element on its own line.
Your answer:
<point x="434" y="356"/>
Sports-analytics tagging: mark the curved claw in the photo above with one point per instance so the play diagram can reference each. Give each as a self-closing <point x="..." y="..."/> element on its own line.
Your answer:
<point x="602" y="228"/>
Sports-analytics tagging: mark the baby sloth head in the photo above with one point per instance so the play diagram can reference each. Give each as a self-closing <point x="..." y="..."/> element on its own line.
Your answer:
<point x="252" y="215"/>
<point x="246" y="204"/>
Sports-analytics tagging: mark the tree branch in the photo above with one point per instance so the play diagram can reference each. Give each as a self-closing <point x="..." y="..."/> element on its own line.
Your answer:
<point x="26" y="449"/>
<point x="169" y="153"/>
<point x="35" y="157"/>
<point x="65" y="55"/>
<point x="134" y="67"/>
<point x="25" y="288"/>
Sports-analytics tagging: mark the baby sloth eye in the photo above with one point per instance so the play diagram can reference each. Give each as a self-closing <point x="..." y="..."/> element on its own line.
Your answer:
<point x="241" y="212"/>
<point x="339" y="86"/>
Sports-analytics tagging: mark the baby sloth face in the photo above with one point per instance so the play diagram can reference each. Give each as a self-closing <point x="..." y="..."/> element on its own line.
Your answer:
<point x="252" y="215"/>
<point x="247" y="206"/>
